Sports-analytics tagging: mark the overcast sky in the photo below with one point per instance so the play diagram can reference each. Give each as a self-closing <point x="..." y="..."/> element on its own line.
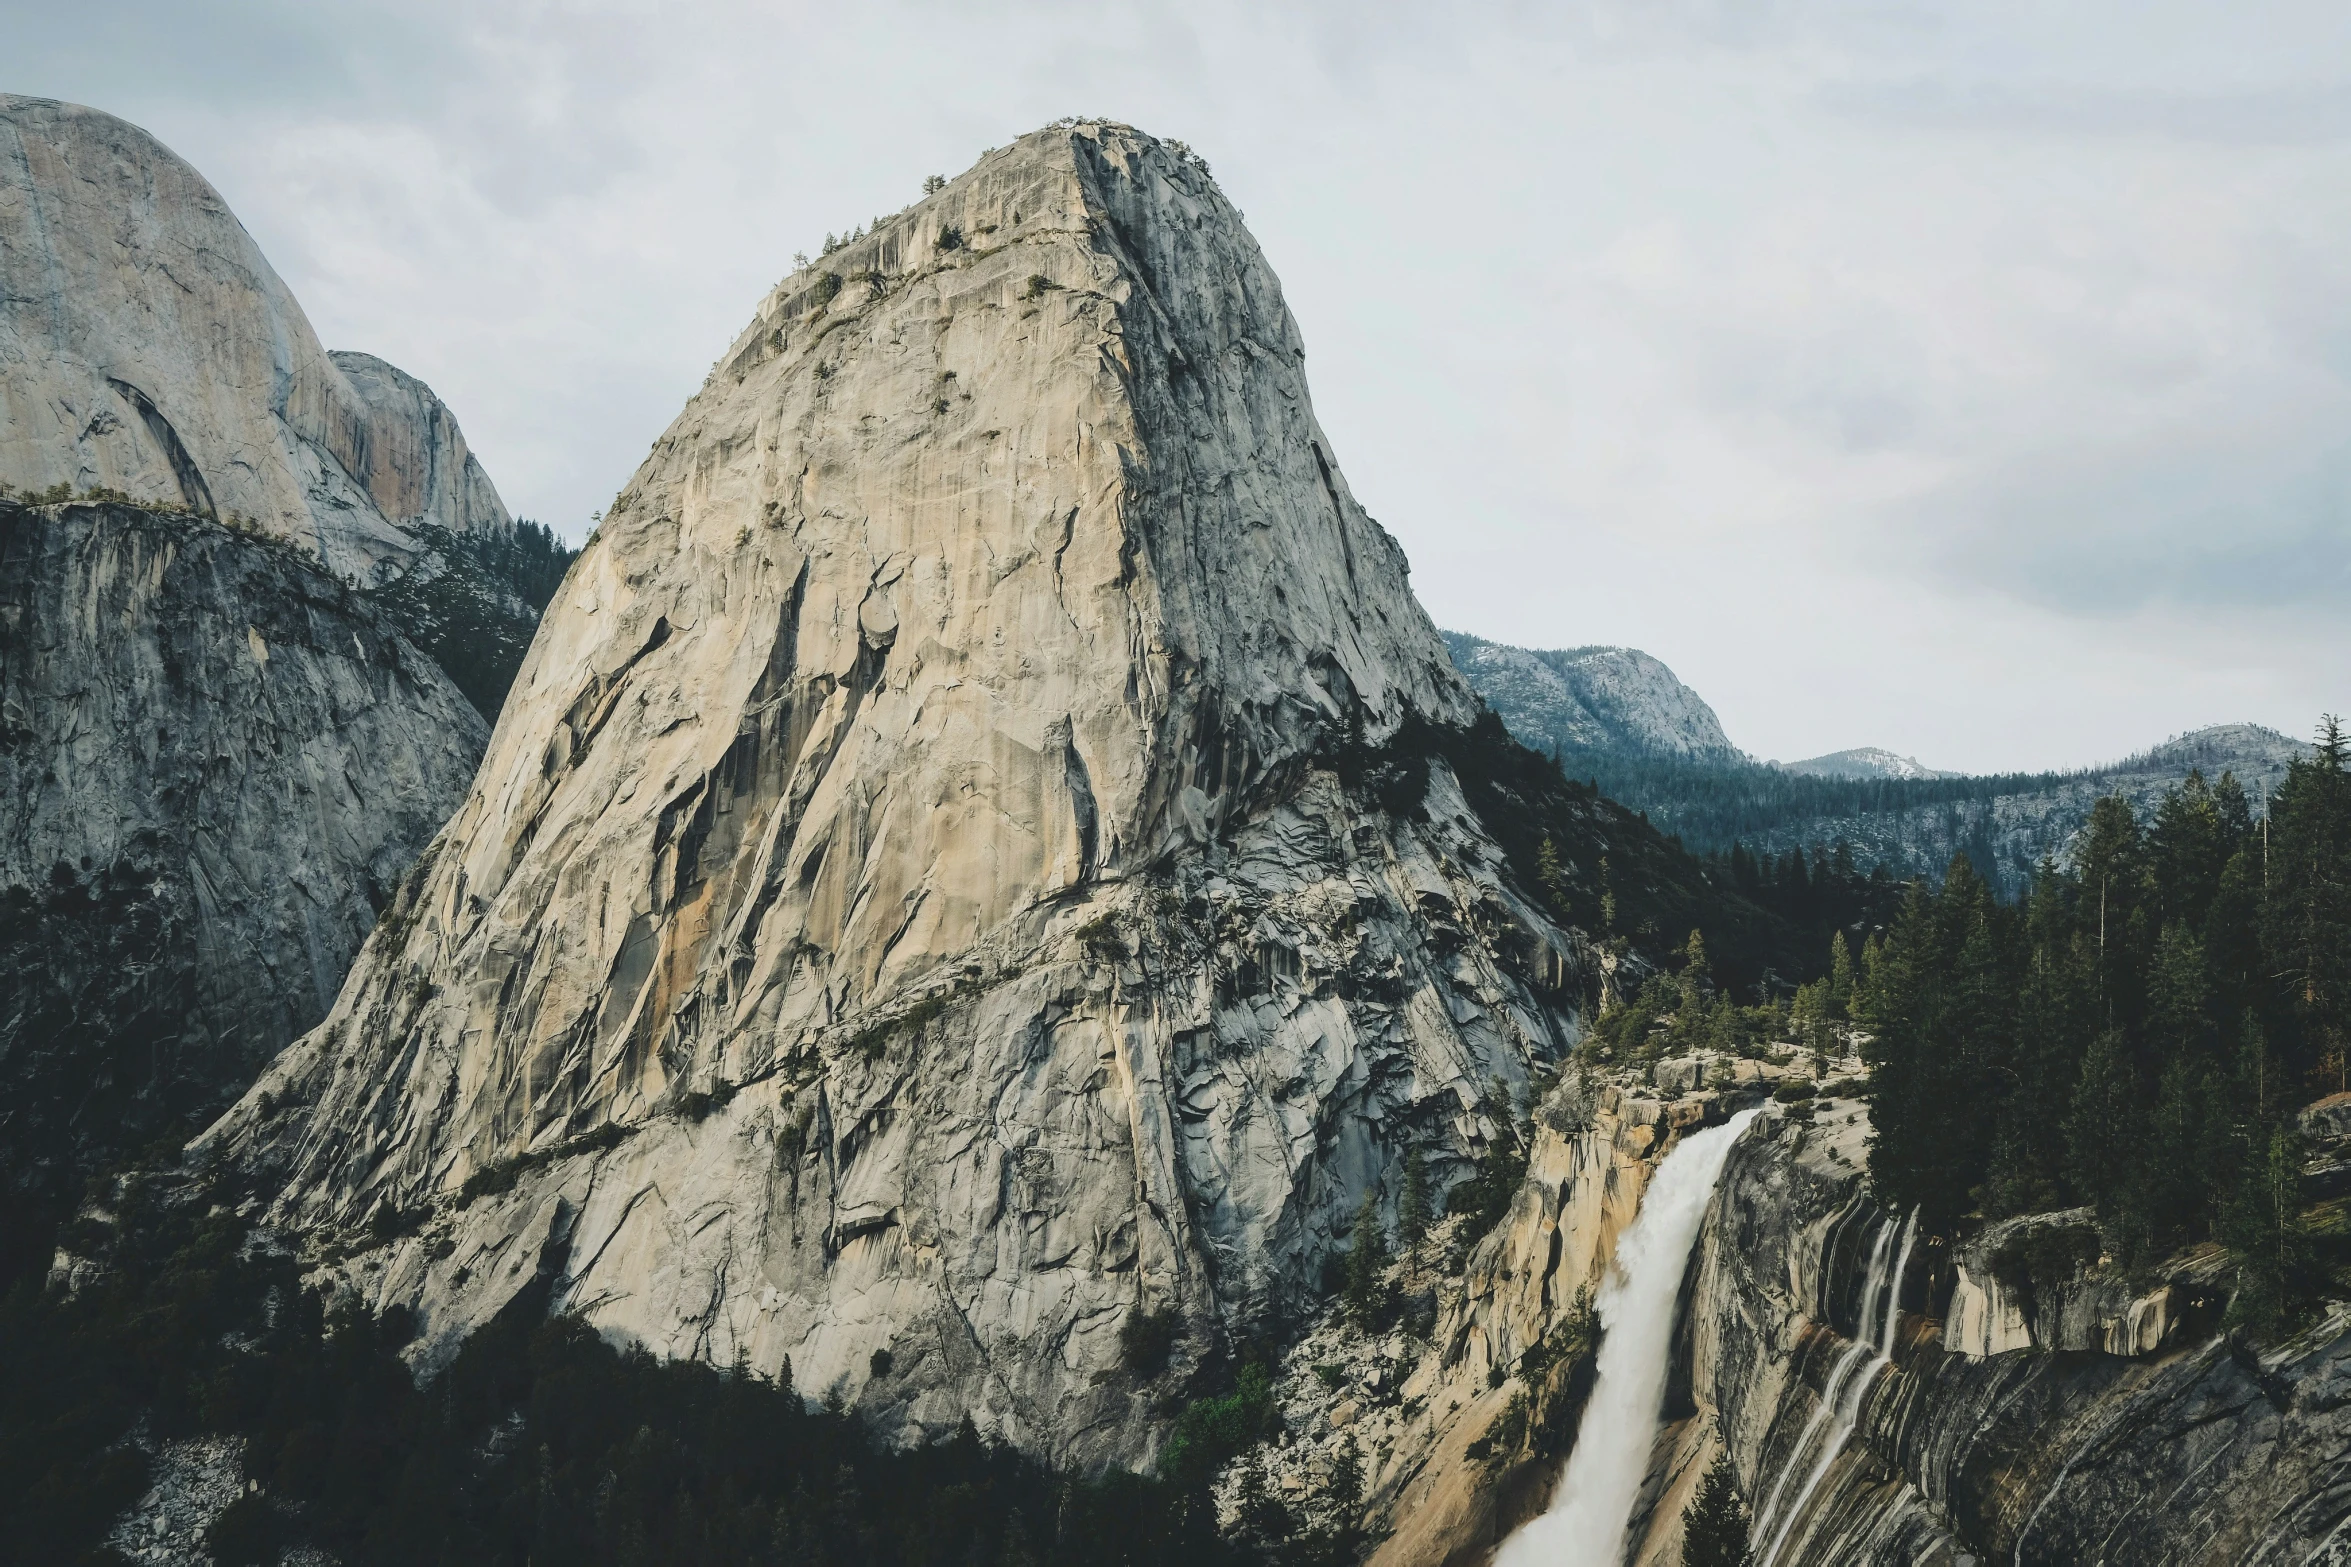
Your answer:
<point x="1971" y="379"/>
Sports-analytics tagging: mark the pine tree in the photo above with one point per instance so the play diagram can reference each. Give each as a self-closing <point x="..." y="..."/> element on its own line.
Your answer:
<point x="2186" y="849"/>
<point x="1262" y="1514"/>
<point x="2261" y="1225"/>
<point x="1552" y="876"/>
<point x="1412" y="1206"/>
<point x="1900" y="1053"/>
<point x="1840" y="993"/>
<point x="2187" y="1133"/>
<point x="1714" y="1526"/>
<point x="2307" y="918"/>
<point x="2110" y="864"/>
<point x="1367" y="1259"/>
<point x="2056" y="1017"/>
<point x="2232" y="933"/>
<point x="1862" y="1007"/>
<point x="1346" y="1478"/>
<point x="2108" y="1138"/>
<point x="1695" y="982"/>
<point x="1808" y="1014"/>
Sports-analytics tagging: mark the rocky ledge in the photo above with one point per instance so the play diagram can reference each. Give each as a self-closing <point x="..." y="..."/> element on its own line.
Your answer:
<point x="1884" y="1399"/>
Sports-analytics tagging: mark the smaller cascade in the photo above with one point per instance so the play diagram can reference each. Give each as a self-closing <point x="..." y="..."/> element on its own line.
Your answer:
<point x="1593" y="1506"/>
<point x="1841" y="1398"/>
<point x="1832" y="1389"/>
<point x="1894" y="1299"/>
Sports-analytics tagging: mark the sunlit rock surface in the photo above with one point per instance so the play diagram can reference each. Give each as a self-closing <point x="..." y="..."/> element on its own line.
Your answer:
<point x="948" y="875"/>
<point x="147" y="347"/>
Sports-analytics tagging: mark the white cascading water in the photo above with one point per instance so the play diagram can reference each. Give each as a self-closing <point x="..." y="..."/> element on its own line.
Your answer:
<point x="1871" y="1351"/>
<point x="1847" y="1362"/>
<point x="1586" y="1524"/>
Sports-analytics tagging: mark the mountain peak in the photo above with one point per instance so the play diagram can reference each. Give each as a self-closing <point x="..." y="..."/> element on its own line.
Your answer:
<point x="1865" y="761"/>
<point x="200" y="386"/>
<point x="883" y="917"/>
<point x="1591" y="698"/>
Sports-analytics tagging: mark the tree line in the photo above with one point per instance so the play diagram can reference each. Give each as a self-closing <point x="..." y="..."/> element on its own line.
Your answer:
<point x="2137" y="1033"/>
<point x="539" y="1443"/>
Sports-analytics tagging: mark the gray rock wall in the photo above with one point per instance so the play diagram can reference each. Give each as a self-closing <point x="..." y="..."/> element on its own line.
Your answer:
<point x="147" y="347"/>
<point x="411" y="456"/>
<point x="215" y="764"/>
<point x="2191" y="1450"/>
<point x="936" y="884"/>
<point x="1597" y="698"/>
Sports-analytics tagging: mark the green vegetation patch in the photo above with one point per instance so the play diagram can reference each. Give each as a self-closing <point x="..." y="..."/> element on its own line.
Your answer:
<point x="492" y="1179"/>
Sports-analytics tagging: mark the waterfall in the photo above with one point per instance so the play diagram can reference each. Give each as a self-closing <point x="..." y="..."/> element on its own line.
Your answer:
<point x="1871" y="1351"/>
<point x="1585" y="1526"/>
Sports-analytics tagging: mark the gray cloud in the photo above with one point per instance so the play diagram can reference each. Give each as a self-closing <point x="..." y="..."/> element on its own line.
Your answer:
<point x="1965" y="378"/>
<point x="2250" y="117"/>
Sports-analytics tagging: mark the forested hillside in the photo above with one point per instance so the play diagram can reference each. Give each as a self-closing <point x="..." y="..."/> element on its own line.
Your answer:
<point x="475" y="604"/>
<point x="2004" y="823"/>
<point x="2137" y="1033"/>
<point x="1620" y="721"/>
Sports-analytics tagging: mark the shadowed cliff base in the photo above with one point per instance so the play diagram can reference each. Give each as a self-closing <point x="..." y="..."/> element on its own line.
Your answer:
<point x="220" y="762"/>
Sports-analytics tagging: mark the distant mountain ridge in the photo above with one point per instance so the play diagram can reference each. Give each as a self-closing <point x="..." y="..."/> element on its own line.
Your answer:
<point x="1866" y="761"/>
<point x="1590" y="697"/>
<point x="1622" y="720"/>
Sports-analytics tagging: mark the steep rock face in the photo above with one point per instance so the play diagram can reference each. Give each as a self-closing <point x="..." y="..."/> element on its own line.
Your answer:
<point x="944" y="878"/>
<point x="146" y="347"/>
<point x="2000" y="1301"/>
<point x="1862" y="1431"/>
<point x="216" y="765"/>
<point x="1463" y="1423"/>
<point x="412" y="457"/>
<point x="1592" y="698"/>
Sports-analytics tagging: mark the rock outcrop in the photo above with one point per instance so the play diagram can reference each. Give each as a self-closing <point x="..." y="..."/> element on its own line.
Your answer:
<point x="961" y="863"/>
<point x="1826" y="1348"/>
<point x="216" y="763"/>
<point x="412" y="457"/>
<point x="1450" y="1491"/>
<point x="1592" y="699"/>
<point x="147" y="348"/>
<point x="1882" y="1397"/>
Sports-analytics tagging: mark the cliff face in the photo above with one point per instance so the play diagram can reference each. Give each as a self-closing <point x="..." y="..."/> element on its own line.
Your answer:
<point x="216" y="764"/>
<point x="943" y="881"/>
<point x="1592" y="698"/>
<point x="1868" y="1422"/>
<point x="411" y="456"/>
<point x="1881" y="1398"/>
<point x="1590" y="1162"/>
<point x="146" y="347"/>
